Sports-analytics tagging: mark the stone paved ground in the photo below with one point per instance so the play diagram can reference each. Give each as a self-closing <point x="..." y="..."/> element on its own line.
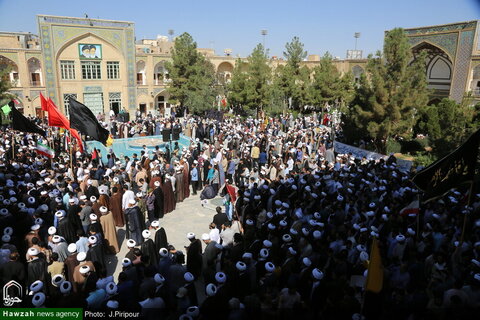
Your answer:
<point x="189" y="216"/>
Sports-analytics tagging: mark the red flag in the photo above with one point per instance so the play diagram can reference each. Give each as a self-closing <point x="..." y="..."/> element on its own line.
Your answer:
<point x="55" y="117"/>
<point x="58" y="119"/>
<point x="231" y="191"/>
<point x="43" y="102"/>
<point x="224" y="102"/>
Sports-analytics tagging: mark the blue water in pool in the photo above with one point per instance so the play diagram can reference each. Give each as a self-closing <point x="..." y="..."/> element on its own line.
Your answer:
<point x="129" y="146"/>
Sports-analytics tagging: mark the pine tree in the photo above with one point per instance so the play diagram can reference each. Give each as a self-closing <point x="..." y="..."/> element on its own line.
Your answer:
<point x="193" y="76"/>
<point x="394" y="92"/>
<point x="293" y="79"/>
<point x="447" y="125"/>
<point x="329" y="87"/>
<point x="5" y="84"/>
<point x="258" y="80"/>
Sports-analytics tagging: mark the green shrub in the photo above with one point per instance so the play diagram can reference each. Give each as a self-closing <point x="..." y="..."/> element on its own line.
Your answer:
<point x="393" y="146"/>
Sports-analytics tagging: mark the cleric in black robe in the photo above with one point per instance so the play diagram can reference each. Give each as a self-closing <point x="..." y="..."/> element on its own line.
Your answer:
<point x="135" y="223"/>
<point x="148" y="249"/>
<point x="160" y="239"/>
<point x="158" y="209"/>
<point x="194" y="256"/>
<point x="92" y="191"/>
<point x="65" y="228"/>
<point x="37" y="267"/>
<point x="73" y="217"/>
<point x="96" y="253"/>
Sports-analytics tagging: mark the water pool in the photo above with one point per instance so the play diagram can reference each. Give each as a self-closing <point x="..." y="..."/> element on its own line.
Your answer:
<point x="129" y="146"/>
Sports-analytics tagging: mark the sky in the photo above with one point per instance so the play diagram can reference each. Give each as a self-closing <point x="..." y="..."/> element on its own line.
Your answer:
<point x="321" y="25"/>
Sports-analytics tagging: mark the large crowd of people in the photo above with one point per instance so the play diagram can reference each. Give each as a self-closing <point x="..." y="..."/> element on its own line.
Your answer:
<point x="293" y="238"/>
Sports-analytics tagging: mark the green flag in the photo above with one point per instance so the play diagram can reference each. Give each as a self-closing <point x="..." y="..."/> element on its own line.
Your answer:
<point x="6" y="109"/>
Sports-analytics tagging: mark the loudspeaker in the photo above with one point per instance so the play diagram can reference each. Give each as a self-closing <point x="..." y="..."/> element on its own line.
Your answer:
<point x="166" y="134"/>
<point x="176" y="134"/>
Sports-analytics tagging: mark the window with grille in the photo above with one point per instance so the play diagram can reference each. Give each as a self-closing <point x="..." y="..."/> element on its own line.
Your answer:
<point x="113" y="70"/>
<point x="91" y="70"/>
<point x="67" y="68"/>
<point x="115" y="100"/>
<point x="66" y="99"/>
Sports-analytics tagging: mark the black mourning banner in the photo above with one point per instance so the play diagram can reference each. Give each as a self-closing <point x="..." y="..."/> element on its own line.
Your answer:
<point x="453" y="170"/>
<point x="83" y="119"/>
<point x="20" y="123"/>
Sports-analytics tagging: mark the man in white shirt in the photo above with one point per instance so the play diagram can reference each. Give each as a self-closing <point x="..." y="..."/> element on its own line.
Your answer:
<point x="127" y="196"/>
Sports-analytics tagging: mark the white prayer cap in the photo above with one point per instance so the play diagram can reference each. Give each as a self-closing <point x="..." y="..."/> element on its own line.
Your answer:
<point x="156" y="183"/>
<point x="163" y="252"/>
<point x="89" y="181"/>
<point x="52" y="230"/>
<point x="84" y="269"/>
<point x="57" y="279"/>
<point x="112" y="304"/>
<point x="56" y="239"/>
<point x="36" y="286"/>
<point x="6" y="238"/>
<point x="131" y="243"/>
<point x="307" y="262"/>
<point x="92" y="239"/>
<point x="65" y="287"/>
<point x="111" y="288"/>
<point x="60" y="214"/>
<point x="103" y="209"/>
<point x="400" y="238"/>
<point x="247" y="255"/>
<point x="132" y="201"/>
<point x="38" y="299"/>
<point x="126" y="262"/>
<point x="81" y="256"/>
<point x="93" y="198"/>
<point x="264" y="253"/>
<point x="93" y="216"/>
<point x="35" y="227"/>
<point x="269" y="267"/>
<point x="190" y="235"/>
<point x="241" y="266"/>
<point x="211" y="289"/>
<point x="146" y="234"/>
<point x="188" y="276"/>
<point x="155" y="223"/>
<point x="317" y="274"/>
<point x="8" y="231"/>
<point x="317" y="234"/>
<point x="286" y="237"/>
<point x="139" y="194"/>
<point x="220" y="277"/>
<point x="205" y="236"/>
<point x="72" y="248"/>
<point x="33" y="251"/>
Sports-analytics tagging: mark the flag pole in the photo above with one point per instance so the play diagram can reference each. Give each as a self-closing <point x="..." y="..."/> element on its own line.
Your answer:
<point x="71" y="157"/>
<point x="13" y="147"/>
<point x="466" y="214"/>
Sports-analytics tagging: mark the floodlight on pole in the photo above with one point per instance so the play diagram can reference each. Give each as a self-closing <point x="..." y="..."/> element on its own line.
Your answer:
<point x="170" y="33"/>
<point x="356" y="36"/>
<point x="264" y="33"/>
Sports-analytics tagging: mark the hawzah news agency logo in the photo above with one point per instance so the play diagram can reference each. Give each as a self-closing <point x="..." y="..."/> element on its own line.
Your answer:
<point x="12" y="293"/>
